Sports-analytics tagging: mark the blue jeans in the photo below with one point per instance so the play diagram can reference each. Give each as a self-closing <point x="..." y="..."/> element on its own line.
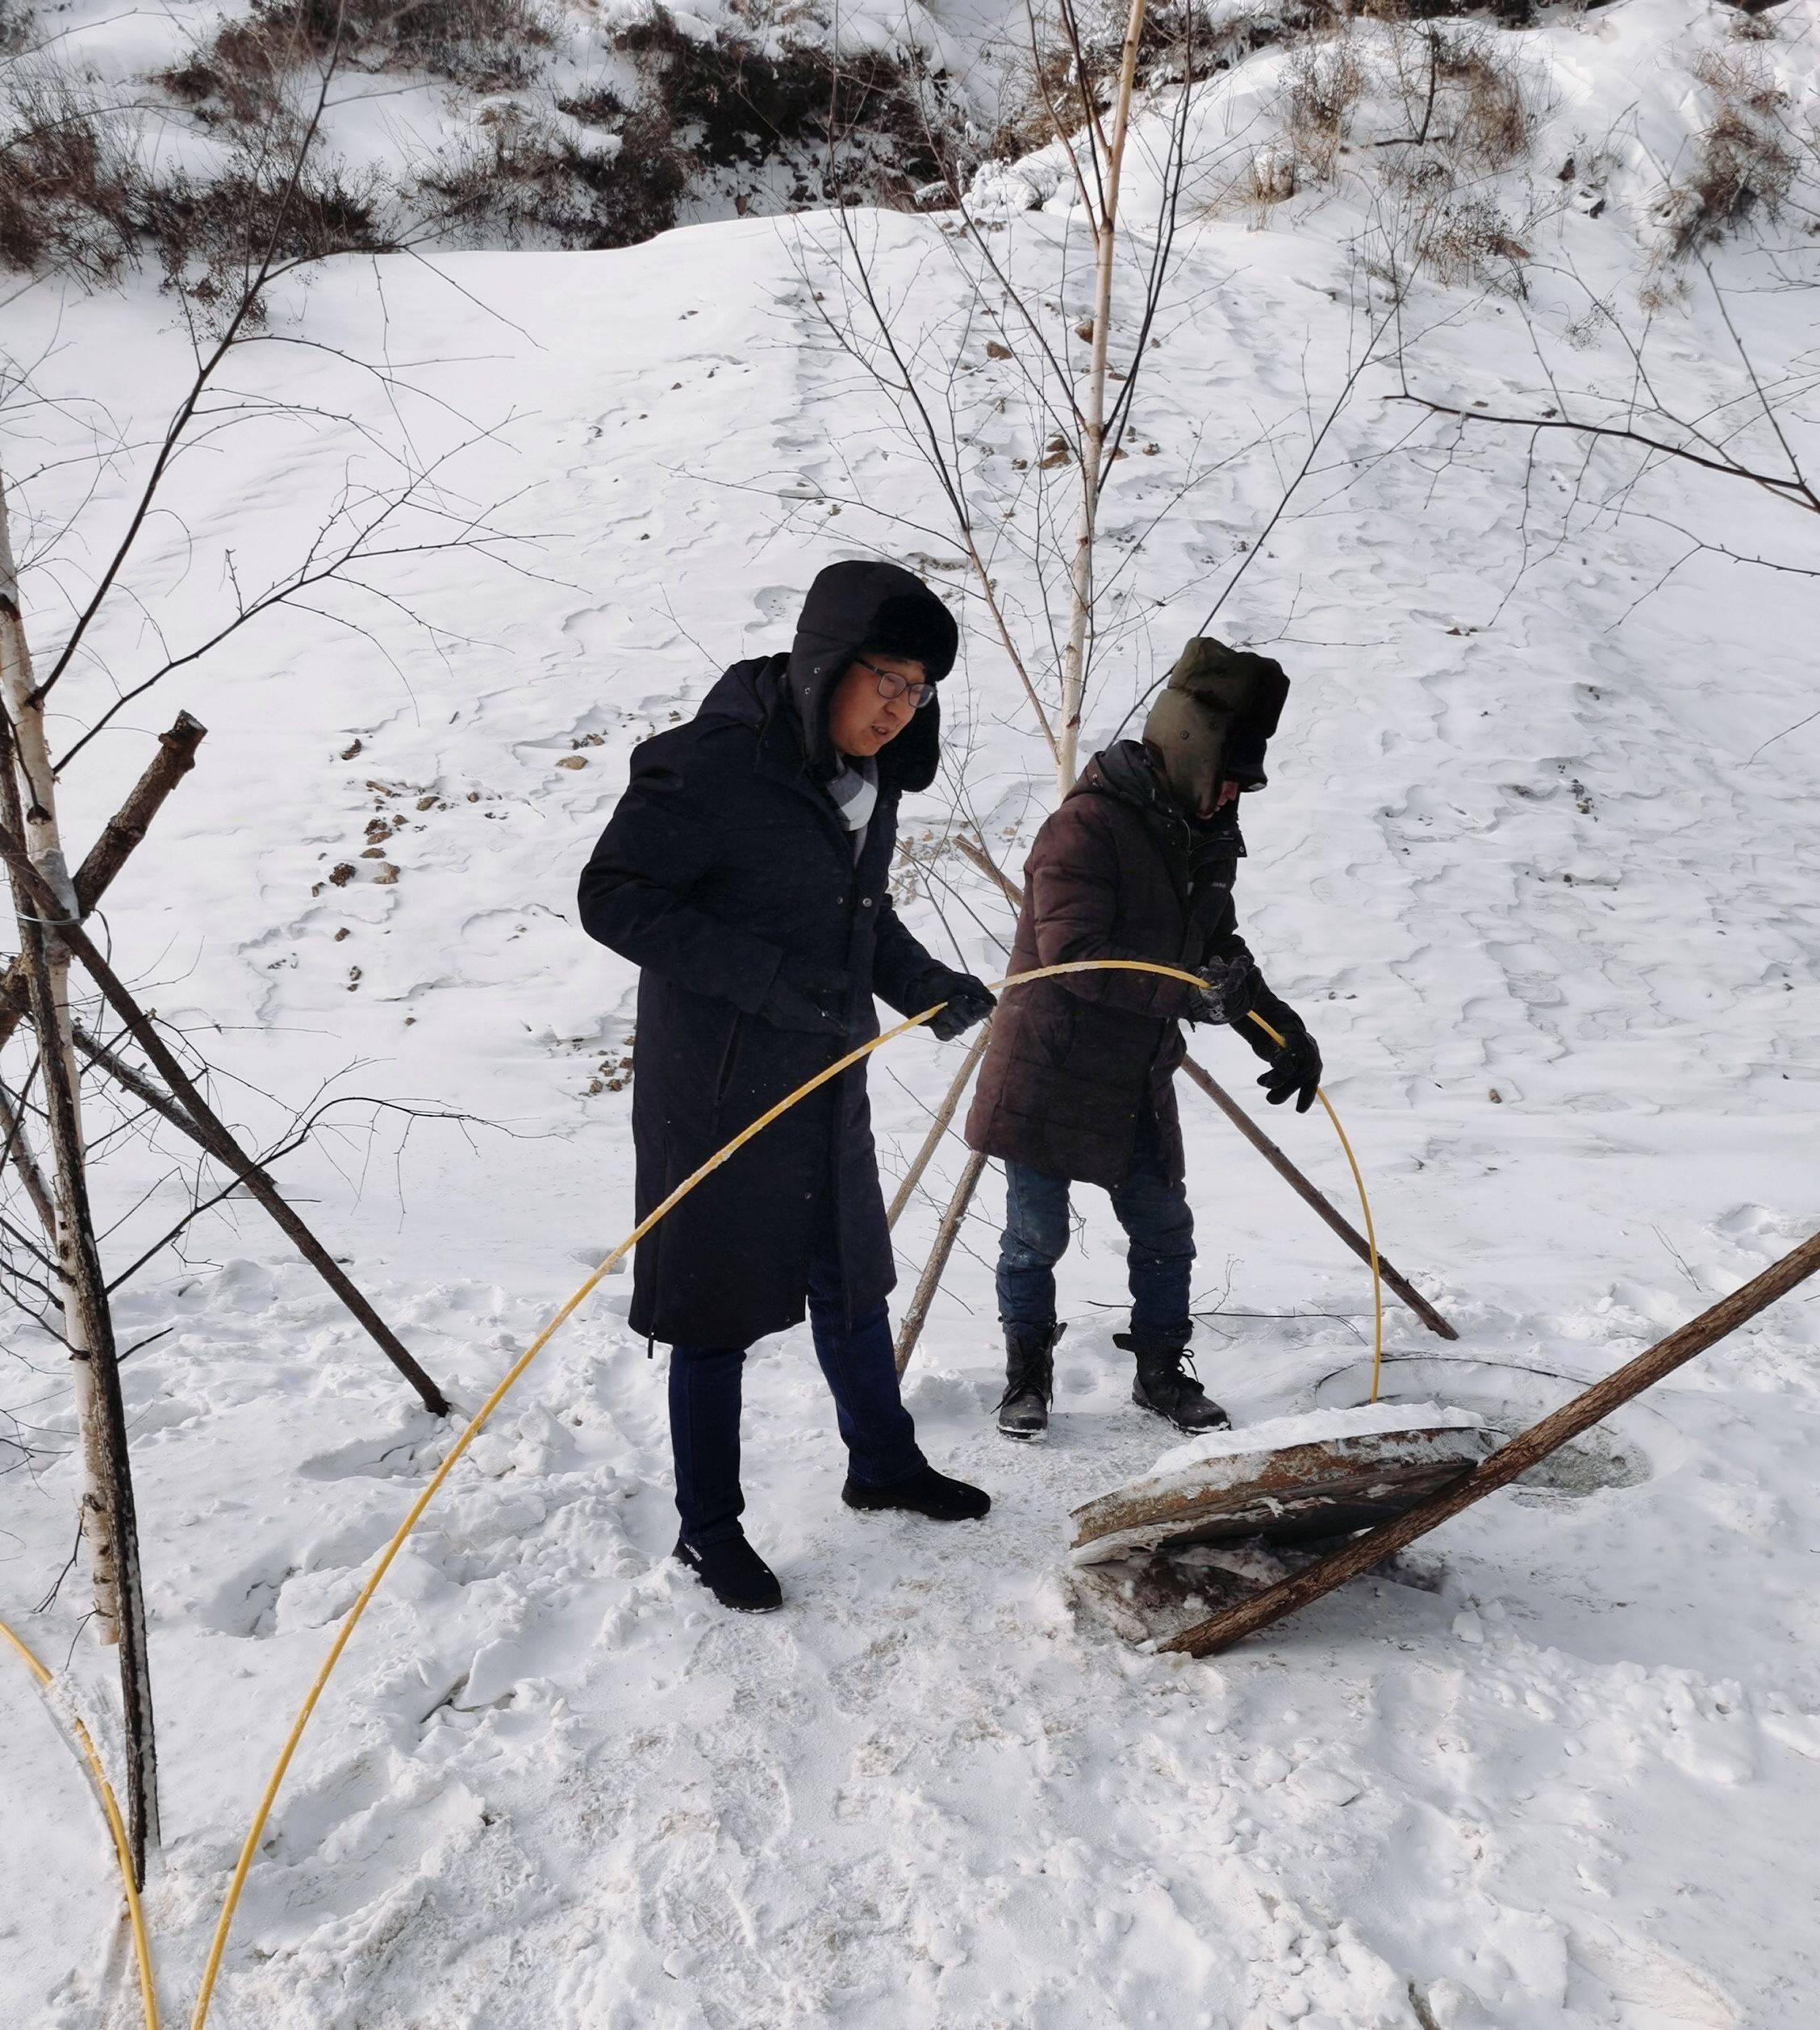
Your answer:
<point x="862" y="1373"/>
<point x="1151" y="1208"/>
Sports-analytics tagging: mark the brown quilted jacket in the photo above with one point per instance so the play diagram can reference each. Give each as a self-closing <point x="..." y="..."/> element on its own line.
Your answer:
<point x="1074" y="1065"/>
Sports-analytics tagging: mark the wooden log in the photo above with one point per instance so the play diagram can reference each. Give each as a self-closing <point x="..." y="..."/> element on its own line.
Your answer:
<point x="122" y="832"/>
<point x="206" y="1127"/>
<point x="1528" y="1448"/>
<point x="1323" y="1487"/>
<point x="930" y="1281"/>
<point x="938" y="1127"/>
<point x="1311" y="1195"/>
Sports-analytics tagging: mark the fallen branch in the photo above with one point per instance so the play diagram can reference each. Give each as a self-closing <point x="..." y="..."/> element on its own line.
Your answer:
<point x="1795" y="490"/>
<point x="1220" y="1631"/>
<point x="205" y="1126"/>
<point x="175" y="759"/>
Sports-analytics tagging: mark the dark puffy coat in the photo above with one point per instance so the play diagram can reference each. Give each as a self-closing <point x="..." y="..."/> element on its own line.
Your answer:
<point x="1073" y="1064"/>
<point x="724" y="862"/>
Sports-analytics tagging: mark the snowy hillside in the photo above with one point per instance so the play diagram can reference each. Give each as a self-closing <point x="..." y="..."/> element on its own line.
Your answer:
<point x="1537" y="863"/>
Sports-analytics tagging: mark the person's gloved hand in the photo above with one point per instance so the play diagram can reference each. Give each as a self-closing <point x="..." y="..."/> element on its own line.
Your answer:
<point x="1295" y="1063"/>
<point x="969" y="1000"/>
<point x="808" y="998"/>
<point x="1230" y="991"/>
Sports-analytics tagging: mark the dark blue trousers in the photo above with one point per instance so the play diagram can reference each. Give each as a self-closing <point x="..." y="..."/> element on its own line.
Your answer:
<point x="862" y="1373"/>
<point x="1151" y="1207"/>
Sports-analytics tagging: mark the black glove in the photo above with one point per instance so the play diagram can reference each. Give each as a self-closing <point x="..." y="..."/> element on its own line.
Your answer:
<point x="1295" y="1063"/>
<point x="1231" y="993"/>
<point x="805" y="997"/>
<point x="969" y="1000"/>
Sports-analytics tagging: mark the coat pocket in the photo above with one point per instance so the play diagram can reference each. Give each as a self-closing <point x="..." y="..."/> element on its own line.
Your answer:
<point x="1050" y="1022"/>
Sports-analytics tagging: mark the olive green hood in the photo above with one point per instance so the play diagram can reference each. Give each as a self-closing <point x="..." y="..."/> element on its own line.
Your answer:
<point x="1211" y="719"/>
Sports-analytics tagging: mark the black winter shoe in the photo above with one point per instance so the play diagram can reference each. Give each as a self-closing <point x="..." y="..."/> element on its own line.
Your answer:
<point x="734" y="1573"/>
<point x="1029" y="1382"/>
<point x="1162" y="1388"/>
<point x="924" y="1492"/>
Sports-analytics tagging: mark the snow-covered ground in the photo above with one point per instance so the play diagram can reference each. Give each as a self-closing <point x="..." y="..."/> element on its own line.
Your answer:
<point x="1546" y="896"/>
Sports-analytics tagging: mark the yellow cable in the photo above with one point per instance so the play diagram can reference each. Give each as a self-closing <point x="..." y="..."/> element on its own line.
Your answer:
<point x="250" y="1845"/>
<point x="110" y="1810"/>
<point x="1365" y="1206"/>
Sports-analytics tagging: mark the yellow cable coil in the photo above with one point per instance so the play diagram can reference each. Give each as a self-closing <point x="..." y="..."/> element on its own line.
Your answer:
<point x="111" y="1811"/>
<point x="477" y="1423"/>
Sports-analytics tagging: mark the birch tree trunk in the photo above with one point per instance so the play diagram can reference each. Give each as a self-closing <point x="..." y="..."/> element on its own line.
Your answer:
<point x="1093" y="412"/>
<point x="28" y="791"/>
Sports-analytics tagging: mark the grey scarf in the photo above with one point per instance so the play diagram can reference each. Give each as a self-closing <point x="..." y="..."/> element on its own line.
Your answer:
<point x="854" y="790"/>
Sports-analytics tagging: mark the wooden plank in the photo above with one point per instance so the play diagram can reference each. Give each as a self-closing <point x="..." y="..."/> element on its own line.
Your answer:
<point x="1220" y="1631"/>
<point x="1284" y="1495"/>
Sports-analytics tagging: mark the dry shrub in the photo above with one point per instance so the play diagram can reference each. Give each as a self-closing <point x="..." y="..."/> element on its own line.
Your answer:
<point x="17" y="27"/>
<point x="1270" y="178"/>
<point x="210" y="236"/>
<point x="522" y="180"/>
<point x="1326" y="81"/>
<point x="1744" y="165"/>
<point x="731" y="100"/>
<point x="1493" y="102"/>
<point x="69" y="187"/>
<point x="1467" y="239"/>
<point x="487" y="45"/>
<point x="77" y="199"/>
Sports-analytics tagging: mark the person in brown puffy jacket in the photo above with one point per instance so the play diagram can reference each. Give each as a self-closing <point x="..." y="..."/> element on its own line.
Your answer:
<point x="1078" y="1081"/>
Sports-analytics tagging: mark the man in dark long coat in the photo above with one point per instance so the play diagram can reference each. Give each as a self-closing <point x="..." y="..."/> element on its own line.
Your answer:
<point x="745" y="872"/>
<point x="1078" y="1081"/>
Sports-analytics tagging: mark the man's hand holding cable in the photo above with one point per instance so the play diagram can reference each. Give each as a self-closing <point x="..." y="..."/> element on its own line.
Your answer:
<point x="1227" y="992"/>
<point x="969" y="1000"/>
<point x="1295" y="1063"/>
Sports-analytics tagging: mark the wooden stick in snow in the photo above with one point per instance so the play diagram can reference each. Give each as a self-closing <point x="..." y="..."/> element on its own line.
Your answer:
<point x="1220" y="1631"/>
<point x="1311" y="1195"/>
<point x="930" y="1280"/>
<point x="938" y="1127"/>
<point x="123" y="831"/>
<point x="205" y="1126"/>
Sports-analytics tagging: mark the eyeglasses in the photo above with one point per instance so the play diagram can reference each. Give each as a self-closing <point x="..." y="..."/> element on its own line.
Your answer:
<point x="890" y="685"/>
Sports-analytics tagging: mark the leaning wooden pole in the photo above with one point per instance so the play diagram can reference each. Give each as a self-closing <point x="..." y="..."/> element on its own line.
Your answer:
<point x="1317" y="1200"/>
<point x="911" y="1331"/>
<point x="1311" y="1195"/>
<point x="938" y="1126"/>
<point x="122" y="832"/>
<point x="209" y="1129"/>
<point x="1220" y="1631"/>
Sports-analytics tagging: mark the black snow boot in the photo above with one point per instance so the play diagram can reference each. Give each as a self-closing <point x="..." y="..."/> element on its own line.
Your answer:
<point x="924" y="1492"/>
<point x="734" y="1573"/>
<point x="1162" y="1388"/>
<point x="1030" y="1381"/>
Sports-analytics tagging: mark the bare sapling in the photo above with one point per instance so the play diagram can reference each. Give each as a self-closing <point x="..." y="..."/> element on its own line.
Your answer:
<point x="29" y="795"/>
<point x="1100" y="196"/>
